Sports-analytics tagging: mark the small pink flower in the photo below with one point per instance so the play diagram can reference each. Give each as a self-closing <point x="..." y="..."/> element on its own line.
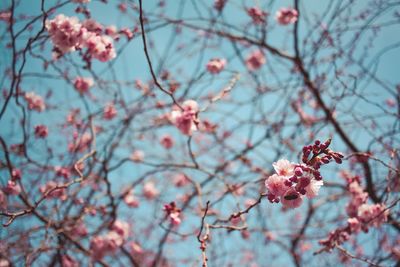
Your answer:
<point x="284" y="168"/>
<point x="167" y="141"/>
<point x="216" y="65"/>
<point x="374" y="215"/>
<point x="173" y="213"/>
<point x="186" y="120"/>
<point x="354" y="224"/>
<point x="313" y="188"/>
<point x="16" y="174"/>
<point x="92" y="26"/>
<point x="109" y="111"/>
<point x="181" y="180"/>
<point x="55" y="193"/>
<point x="82" y="84"/>
<point x="41" y="131"/>
<point x="276" y="185"/>
<point x="135" y="248"/>
<point x="127" y="32"/>
<point x="101" y="246"/>
<point x="12" y="188"/>
<point x="112" y="31"/>
<point x="79" y="230"/>
<point x="100" y="47"/>
<point x="291" y="199"/>
<point x="62" y="171"/>
<point x="121" y="228"/>
<point x="137" y="156"/>
<point x="255" y="60"/>
<point x="35" y="102"/>
<point x="257" y="15"/>
<point x="150" y="191"/>
<point x="131" y="201"/>
<point x="5" y="16"/>
<point x="285" y="16"/>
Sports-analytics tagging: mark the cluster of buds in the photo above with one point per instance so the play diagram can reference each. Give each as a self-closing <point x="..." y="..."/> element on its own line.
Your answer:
<point x="292" y="181"/>
<point x="173" y="213"/>
<point x="321" y="154"/>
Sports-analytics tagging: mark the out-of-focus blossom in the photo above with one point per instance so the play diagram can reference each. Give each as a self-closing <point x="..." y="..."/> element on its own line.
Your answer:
<point x="255" y="60"/>
<point x="216" y="65"/>
<point x="285" y="16"/>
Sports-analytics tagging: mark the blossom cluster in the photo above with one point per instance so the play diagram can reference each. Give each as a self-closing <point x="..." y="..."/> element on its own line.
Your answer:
<point x="109" y="243"/>
<point x="362" y="216"/>
<point x="285" y="16"/>
<point x="68" y="35"/>
<point x="216" y="65"/>
<point x="292" y="181"/>
<point x="185" y="119"/>
<point x="173" y="213"/>
<point x="35" y="102"/>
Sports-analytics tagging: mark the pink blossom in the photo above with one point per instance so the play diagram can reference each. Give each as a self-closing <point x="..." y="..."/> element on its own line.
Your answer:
<point x="276" y="185"/>
<point x="82" y="84"/>
<point x="5" y="16"/>
<point x="285" y="16"/>
<point x="137" y="156"/>
<point x="62" y="171"/>
<point x="173" y="213"/>
<point x="291" y="199"/>
<point x="81" y="144"/>
<point x="127" y="32"/>
<point x="186" y="120"/>
<point x="16" y="174"/>
<point x="67" y="261"/>
<point x="100" y="47"/>
<point x="101" y="246"/>
<point x="216" y="65"/>
<point x="255" y="60"/>
<point x="12" y="188"/>
<point x="135" y="248"/>
<point x="92" y="26"/>
<point x="55" y="193"/>
<point x="131" y="201"/>
<point x="180" y="180"/>
<point x="284" y="168"/>
<point x="79" y="229"/>
<point x="150" y="191"/>
<point x="109" y="111"/>
<point x="35" y="102"/>
<point x="66" y="33"/>
<point x="41" y="131"/>
<point x="313" y="188"/>
<point x="167" y="141"/>
<point x="121" y="228"/>
<point x="112" y="31"/>
<point x="354" y="225"/>
<point x="374" y="215"/>
<point x="257" y="15"/>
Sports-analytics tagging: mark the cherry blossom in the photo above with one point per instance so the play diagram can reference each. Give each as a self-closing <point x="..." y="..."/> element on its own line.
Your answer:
<point x="83" y="84"/>
<point x="35" y="102"/>
<point x="255" y="60"/>
<point x="285" y="16"/>
<point x="216" y="65"/>
<point x="186" y="120"/>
